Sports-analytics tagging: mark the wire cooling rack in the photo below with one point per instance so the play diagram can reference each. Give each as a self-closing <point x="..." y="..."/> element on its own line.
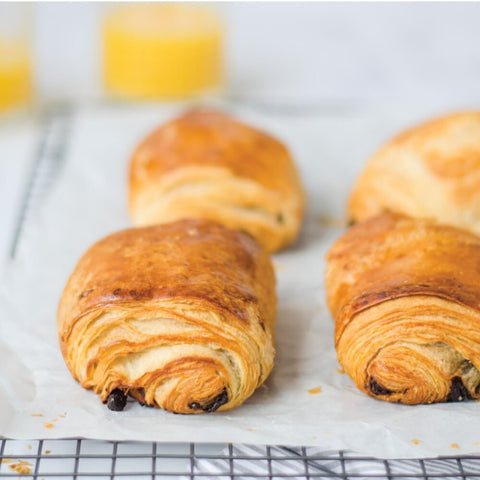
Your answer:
<point x="142" y="460"/>
<point x="91" y="459"/>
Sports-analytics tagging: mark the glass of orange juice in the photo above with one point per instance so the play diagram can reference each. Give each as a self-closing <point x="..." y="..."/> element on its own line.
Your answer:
<point x="162" y="50"/>
<point x="15" y="55"/>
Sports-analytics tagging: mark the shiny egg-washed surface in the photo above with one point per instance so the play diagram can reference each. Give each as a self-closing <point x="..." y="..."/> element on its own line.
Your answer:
<point x="205" y="164"/>
<point x="405" y="296"/>
<point x="430" y="171"/>
<point x="178" y="316"/>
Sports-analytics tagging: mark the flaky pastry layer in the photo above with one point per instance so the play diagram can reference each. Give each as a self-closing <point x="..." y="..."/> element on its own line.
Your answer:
<point x="178" y="316"/>
<point x="405" y="296"/>
<point x="205" y="164"/>
<point x="431" y="171"/>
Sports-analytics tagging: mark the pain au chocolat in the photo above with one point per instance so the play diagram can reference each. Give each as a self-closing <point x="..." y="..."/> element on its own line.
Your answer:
<point x="205" y="164"/>
<point x="431" y="171"/>
<point x="177" y="316"/>
<point x="405" y="296"/>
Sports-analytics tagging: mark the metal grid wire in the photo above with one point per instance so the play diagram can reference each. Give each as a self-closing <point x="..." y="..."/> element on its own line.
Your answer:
<point x="80" y="458"/>
<point x="144" y="460"/>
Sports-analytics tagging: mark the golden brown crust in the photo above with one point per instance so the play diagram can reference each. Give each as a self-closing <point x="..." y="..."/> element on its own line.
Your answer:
<point x="205" y="164"/>
<point x="429" y="171"/>
<point x="172" y="314"/>
<point x="405" y="295"/>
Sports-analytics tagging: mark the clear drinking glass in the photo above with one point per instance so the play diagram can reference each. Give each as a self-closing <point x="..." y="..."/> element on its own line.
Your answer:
<point x="162" y="50"/>
<point x="15" y="55"/>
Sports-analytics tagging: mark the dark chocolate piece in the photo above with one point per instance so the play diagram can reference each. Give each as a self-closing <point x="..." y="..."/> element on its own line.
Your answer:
<point x="458" y="391"/>
<point x="215" y="404"/>
<point x="117" y="400"/>
<point x="377" y="389"/>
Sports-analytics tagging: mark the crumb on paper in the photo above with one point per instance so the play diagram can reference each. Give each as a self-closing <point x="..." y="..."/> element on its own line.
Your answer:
<point x="455" y="445"/>
<point x="48" y="452"/>
<point x="250" y="429"/>
<point x="53" y="420"/>
<point x="329" y="221"/>
<point x="340" y="370"/>
<point x="7" y="460"/>
<point x="29" y="446"/>
<point x="416" y="441"/>
<point x="279" y="266"/>
<point x="63" y="415"/>
<point x="314" y="437"/>
<point x="315" y="390"/>
<point x="476" y="443"/>
<point x="48" y="425"/>
<point x="22" y="467"/>
<point x="36" y="415"/>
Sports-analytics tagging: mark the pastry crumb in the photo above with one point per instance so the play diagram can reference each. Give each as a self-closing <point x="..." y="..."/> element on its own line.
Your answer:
<point x="36" y="415"/>
<point x="314" y="437"/>
<point x="48" y="425"/>
<point x="22" y="467"/>
<point x="279" y="266"/>
<point x="53" y="420"/>
<point x="340" y="370"/>
<point x="476" y="443"/>
<point x="250" y="429"/>
<point x="455" y="445"/>
<point x="315" y="390"/>
<point x="415" y="441"/>
<point x="48" y="452"/>
<point x="29" y="446"/>
<point x="6" y="460"/>
<point x="62" y="415"/>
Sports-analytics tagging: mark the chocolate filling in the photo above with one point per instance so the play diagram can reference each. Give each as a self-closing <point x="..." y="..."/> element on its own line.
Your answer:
<point x="116" y="400"/>
<point x="458" y="391"/>
<point x="377" y="389"/>
<point x="215" y="404"/>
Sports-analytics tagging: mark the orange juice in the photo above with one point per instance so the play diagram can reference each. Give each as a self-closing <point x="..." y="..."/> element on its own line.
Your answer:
<point x="162" y="50"/>
<point x="15" y="74"/>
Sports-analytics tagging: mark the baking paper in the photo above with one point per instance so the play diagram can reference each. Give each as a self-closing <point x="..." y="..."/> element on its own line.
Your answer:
<point x="306" y="401"/>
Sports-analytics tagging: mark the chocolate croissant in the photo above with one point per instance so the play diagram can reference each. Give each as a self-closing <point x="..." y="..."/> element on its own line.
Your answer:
<point x="431" y="171"/>
<point x="205" y="164"/>
<point x="178" y="316"/>
<point x="405" y="296"/>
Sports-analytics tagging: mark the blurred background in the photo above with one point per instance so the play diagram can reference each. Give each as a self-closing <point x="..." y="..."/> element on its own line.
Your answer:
<point x="293" y="58"/>
<point x="307" y="54"/>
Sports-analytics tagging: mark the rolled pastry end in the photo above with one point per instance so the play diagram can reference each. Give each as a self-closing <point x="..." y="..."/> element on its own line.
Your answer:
<point x="405" y="296"/>
<point x="178" y="317"/>
<point x="200" y="390"/>
<point x="421" y="374"/>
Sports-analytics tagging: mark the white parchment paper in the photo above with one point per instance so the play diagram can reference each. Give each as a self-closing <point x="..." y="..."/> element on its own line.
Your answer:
<point x="38" y="397"/>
